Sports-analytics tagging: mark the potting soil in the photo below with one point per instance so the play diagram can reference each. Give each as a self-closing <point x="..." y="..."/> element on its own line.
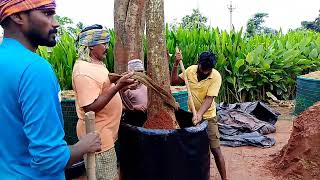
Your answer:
<point x="162" y="120"/>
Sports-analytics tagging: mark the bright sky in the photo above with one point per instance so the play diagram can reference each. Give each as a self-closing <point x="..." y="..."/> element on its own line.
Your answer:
<point x="282" y="13"/>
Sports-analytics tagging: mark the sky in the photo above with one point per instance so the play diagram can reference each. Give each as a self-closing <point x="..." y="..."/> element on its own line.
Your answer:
<point x="284" y="14"/>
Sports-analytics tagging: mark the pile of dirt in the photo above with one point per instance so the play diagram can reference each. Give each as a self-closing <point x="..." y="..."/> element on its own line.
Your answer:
<point x="300" y="158"/>
<point x="313" y="75"/>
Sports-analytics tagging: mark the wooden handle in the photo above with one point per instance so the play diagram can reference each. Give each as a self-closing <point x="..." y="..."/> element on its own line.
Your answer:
<point x="193" y="108"/>
<point x="91" y="160"/>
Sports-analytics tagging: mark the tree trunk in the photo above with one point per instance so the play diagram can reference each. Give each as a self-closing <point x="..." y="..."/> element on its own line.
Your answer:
<point x="160" y="116"/>
<point x="129" y="24"/>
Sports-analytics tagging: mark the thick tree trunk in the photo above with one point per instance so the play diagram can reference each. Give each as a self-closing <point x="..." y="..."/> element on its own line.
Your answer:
<point x="129" y="24"/>
<point x="135" y="24"/>
<point x="160" y="116"/>
<point x="120" y="51"/>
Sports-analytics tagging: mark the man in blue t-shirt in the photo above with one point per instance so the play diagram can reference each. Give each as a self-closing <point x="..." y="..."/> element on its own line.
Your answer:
<point x="31" y="123"/>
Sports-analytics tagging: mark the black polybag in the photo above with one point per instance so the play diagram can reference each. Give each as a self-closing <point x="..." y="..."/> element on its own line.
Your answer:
<point x="148" y="154"/>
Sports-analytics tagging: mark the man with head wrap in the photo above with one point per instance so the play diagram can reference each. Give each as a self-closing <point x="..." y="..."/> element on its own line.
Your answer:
<point x="137" y="98"/>
<point x="31" y="142"/>
<point x="95" y="92"/>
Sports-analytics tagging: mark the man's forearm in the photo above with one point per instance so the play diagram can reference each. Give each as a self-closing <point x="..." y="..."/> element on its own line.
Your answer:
<point x="205" y="105"/>
<point x="102" y="100"/>
<point x="76" y="154"/>
<point x="174" y="75"/>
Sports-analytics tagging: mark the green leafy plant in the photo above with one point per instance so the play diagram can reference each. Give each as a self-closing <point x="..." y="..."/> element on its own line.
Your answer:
<point x="250" y="66"/>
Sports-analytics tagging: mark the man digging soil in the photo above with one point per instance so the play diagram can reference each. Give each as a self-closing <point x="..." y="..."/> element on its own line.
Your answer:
<point x="205" y="83"/>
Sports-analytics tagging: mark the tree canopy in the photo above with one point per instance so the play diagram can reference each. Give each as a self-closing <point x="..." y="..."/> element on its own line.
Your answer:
<point x="195" y="20"/>
<point x="313" y="25"/>
<point x="255" y="25"/>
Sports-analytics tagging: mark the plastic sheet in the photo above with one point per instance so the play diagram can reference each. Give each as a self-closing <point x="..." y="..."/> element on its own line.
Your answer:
<point x="243" y="124"/>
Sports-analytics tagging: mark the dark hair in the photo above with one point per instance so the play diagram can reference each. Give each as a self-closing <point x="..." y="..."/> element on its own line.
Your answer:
<point x="207" y="60"/>
<point x="95" y="26"/>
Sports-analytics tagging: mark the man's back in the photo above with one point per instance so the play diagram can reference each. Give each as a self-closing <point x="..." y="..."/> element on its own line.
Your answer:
<point x="31" y="142"/>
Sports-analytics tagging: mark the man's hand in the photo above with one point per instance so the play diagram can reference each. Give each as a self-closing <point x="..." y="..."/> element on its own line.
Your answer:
<point x="140" y="107"/>
<point x="196" y="118"/>
<point x="113" y="79"/>
<point x="125" y="81"/>
<point x="90" y="143"/>
<point x="178" y="57"/>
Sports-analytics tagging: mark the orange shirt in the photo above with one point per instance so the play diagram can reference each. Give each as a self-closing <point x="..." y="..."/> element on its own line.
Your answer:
<point x="89" y="80"/>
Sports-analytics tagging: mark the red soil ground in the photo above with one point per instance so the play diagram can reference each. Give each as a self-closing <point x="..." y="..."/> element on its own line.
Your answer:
<point x="300" y="158"/>
<point x="252" y="163"/>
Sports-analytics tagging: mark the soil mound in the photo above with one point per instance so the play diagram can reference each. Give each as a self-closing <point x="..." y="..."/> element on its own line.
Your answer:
<point x="300" y="158"/>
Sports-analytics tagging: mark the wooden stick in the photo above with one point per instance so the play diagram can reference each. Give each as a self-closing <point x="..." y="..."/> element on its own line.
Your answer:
<point x="91" y="159"/>
<point x="193" y="108"/>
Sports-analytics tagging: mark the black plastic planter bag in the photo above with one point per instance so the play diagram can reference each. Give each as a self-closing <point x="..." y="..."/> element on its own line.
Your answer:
<point x="148" y="154"/>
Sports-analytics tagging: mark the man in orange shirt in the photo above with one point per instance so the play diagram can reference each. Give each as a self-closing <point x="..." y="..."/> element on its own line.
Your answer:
<point x="95" y="92"/>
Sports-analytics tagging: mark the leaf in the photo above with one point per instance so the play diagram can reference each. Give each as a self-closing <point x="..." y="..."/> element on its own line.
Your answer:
<point x="230" y="80"/>
<point x="270" y="95"/>
<point x="313" y="54"/>
<point x="259" y="50"/>
<point x="226" y="68"/>
<point x="248" y="79"/>
<point x="240" y="89"/>
<point x="239" y="63"/>
<point x="276" y="78"/>
<point x="303" y="62"/>
<point x="249" y="58"/>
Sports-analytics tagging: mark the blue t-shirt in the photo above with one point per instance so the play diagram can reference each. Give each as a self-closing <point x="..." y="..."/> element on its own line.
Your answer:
<point x="31" y="123"/>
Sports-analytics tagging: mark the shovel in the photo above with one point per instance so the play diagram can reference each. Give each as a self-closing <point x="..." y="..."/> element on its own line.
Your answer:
<point x="193" y="108"/>
<point x="91" y="160"/>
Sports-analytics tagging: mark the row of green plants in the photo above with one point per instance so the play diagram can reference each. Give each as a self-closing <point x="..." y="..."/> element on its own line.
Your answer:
<point x="251" y="67"/>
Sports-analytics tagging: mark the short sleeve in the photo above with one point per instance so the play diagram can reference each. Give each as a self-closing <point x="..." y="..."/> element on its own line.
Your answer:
<point x="214" y="87"/>
<point x="87" y="89"/>
<point x="187" y="72"/>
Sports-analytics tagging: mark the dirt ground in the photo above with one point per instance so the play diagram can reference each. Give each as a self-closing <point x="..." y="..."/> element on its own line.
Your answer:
<point x="250" y="163"/>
